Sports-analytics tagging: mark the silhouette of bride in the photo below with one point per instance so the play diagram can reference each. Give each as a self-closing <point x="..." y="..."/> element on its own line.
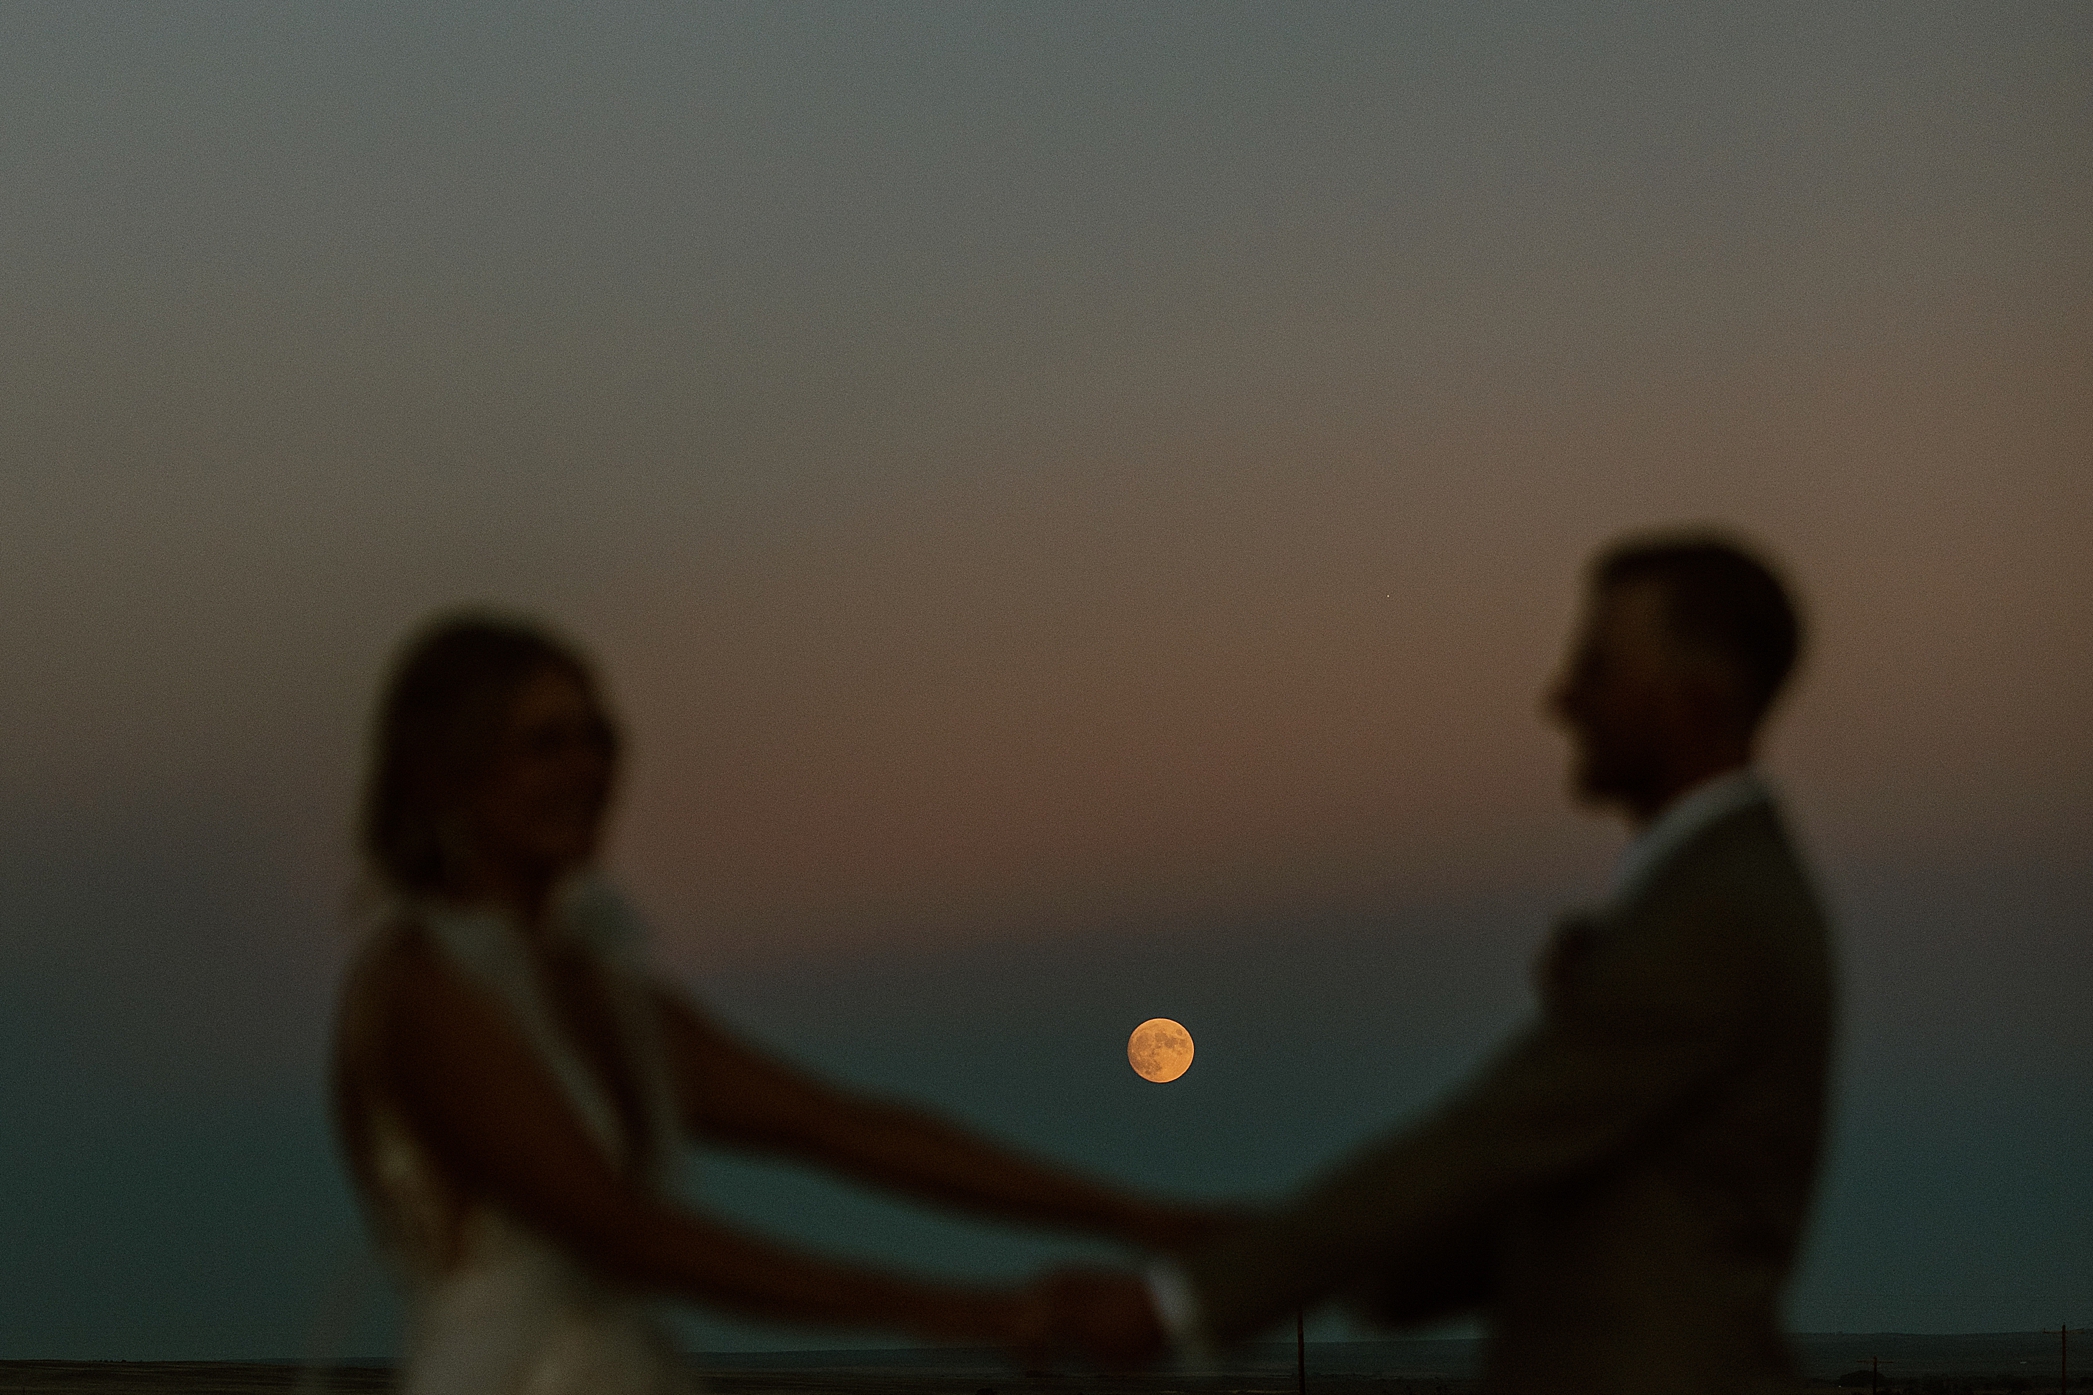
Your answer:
<point x="510" y="1081"/>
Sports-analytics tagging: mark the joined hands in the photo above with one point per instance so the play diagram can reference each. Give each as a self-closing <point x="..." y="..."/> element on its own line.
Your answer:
<point x="1100" y="1316"/>
<point x="1105" y="1316"/>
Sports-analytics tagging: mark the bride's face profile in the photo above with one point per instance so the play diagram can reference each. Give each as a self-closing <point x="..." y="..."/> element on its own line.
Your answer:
<point x="538" y="806"/>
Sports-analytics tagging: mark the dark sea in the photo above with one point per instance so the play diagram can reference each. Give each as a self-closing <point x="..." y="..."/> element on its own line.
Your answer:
<point x="2008" y="1363"/>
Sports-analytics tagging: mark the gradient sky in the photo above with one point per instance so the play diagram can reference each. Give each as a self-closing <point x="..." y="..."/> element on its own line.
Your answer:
<point x="1075" y="506"/>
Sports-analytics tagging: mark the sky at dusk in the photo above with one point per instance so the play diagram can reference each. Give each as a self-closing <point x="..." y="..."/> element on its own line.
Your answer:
<point x="1075" y="507"/>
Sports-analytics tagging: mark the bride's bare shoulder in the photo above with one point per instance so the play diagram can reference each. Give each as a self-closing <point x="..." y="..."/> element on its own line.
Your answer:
<point x="406" y="1001"/>
<point x="404" y="1008"/>
<point x="397" y="946"/>
<point x="394" y="967"/>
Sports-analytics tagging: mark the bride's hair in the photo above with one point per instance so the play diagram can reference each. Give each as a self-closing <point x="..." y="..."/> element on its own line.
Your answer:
<point x="436" y="725"/>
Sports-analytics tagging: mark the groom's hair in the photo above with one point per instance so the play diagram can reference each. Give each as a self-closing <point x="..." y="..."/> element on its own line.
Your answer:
<point x="1720" y="599"/>
<point x="437" y="723"/>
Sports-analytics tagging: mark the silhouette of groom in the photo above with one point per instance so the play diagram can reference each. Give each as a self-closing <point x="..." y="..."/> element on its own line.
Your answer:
<point x="1621" y="1191"/>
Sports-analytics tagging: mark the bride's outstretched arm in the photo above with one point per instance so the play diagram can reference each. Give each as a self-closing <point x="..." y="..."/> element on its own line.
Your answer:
<point x="734" y="1093"/>
<point x="500" y="1129"/>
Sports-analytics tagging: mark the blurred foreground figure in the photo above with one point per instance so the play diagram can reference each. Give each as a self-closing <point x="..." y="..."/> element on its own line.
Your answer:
<point x="1621" y="1192"/>
<point x="511" y="1083"/>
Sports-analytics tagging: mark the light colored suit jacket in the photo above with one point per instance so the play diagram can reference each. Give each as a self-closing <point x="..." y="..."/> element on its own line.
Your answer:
<point x="1622" y="1191"/>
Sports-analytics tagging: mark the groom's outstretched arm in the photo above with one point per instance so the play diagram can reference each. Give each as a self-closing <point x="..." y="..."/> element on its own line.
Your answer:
<point x="1447" y="1277"/>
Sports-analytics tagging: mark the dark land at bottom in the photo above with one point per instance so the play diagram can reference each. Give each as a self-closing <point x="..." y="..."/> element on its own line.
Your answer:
<point x="1915" y="1364"/>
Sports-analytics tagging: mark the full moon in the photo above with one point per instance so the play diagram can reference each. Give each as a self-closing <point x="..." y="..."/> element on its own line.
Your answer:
<point x="1159" y="1050"/>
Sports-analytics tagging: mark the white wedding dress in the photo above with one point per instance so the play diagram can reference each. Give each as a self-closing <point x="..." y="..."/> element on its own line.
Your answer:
<point x="497" y="1307"/>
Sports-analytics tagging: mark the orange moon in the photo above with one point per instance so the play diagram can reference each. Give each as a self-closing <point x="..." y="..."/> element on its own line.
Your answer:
<point x="1159" y="1050"/>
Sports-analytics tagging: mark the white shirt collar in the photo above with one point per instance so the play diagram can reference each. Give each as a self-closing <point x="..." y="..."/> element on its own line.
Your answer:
<point x="1681" y="820"/>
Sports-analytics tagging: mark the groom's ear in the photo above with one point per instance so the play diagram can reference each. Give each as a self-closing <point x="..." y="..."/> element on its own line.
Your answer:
<point x="1713" y="692"/>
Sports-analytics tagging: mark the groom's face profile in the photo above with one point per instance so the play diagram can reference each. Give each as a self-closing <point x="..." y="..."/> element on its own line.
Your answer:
<point x="1625" y="697"/>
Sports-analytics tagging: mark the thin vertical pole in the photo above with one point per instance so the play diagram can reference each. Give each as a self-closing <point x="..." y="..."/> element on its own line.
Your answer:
<point x="1301" y="1351"/>
<point x="2064" y="1356"/>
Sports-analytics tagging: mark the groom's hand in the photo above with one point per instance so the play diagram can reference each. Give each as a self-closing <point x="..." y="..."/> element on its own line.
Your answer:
<point x="1106" y="1315"/>
<point x="1174" y="1230"/>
